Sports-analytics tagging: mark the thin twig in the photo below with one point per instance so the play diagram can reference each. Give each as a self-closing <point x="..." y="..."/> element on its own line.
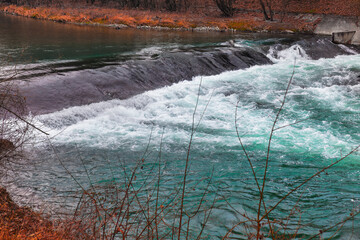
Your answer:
<point x="307" y="180"/>
<point x="22" y="119"/>
<point x="268" y="153"/>
<point x="353" y="215"/>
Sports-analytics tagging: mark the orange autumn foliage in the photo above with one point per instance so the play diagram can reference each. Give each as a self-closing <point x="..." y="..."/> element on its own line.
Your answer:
<point x="21" y="223"/>
<point x="244" y="21"/>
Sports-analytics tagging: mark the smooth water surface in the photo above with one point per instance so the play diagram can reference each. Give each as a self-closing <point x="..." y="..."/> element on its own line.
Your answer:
<point x="28" y="40"/>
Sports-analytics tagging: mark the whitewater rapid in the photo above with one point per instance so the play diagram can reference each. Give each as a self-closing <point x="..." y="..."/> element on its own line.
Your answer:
<point x="323" y="99"/>
<point x="319" y="88"/>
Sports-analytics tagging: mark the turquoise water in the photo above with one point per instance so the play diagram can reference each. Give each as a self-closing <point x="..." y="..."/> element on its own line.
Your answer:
<point x="324" y="98"/>
<point x="324" y="93"/>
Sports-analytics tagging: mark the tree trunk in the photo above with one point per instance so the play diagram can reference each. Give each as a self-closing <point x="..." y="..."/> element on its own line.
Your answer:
<point x="271" y="13"/>
<point x="264" y="10"/>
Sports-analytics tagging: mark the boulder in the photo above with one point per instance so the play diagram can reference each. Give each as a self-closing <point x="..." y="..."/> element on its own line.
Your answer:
<point x="6" y="145"/>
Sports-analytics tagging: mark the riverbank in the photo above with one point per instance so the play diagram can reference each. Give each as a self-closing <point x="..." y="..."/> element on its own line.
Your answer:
<point x="248" y="21"/>
<point x="22" y="222"/>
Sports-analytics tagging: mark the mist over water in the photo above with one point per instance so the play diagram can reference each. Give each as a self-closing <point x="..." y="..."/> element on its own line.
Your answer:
<point x="324" y="98"/>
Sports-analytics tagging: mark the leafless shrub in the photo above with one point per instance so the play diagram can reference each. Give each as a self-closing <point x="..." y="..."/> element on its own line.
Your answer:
<point x="16" y="127"/>
<point x="263" y="226"/>
<point x="13" y="133"/>
<point x="226" y="7"/>
<point x="136" y="208"/>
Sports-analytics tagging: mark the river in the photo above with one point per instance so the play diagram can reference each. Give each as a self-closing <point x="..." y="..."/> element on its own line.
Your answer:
<point x="111" y="98"/>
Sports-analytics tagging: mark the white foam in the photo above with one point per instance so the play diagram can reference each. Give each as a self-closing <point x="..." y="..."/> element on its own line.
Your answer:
<point x="260" y="89"/>
<point x="347" y="49"/>
<point x="148" y="51"/>
<point x="291" y="54"/>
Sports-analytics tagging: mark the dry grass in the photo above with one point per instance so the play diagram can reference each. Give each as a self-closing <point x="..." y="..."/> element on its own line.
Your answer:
<point x="22" y="223"/>
<point x="242" y="21"/>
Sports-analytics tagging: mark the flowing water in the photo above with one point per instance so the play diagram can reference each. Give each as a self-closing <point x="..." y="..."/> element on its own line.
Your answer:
<point x="148" y="114"/>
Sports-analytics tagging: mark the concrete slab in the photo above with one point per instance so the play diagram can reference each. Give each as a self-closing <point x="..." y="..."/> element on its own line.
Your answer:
<point x="334" y="24"/>
<point x="356" y="38"/>
<point x="343" y="37"/>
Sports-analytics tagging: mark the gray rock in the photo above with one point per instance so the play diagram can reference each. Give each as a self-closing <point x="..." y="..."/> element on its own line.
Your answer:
<point x="6" y="145"/>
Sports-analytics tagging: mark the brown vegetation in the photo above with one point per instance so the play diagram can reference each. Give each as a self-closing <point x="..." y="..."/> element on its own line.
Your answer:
<point x="209" y="7"/>
<point x="22" y="223"/>
<point x="15" y="131"/>
<point x="285" y="15"/>
<point x="243" y="21"/>
<point x="226" y="6"/>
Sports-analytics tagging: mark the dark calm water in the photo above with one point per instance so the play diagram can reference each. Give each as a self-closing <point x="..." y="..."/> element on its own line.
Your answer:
<point x="108" y="135"/>
<point x="27" y="40"/>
